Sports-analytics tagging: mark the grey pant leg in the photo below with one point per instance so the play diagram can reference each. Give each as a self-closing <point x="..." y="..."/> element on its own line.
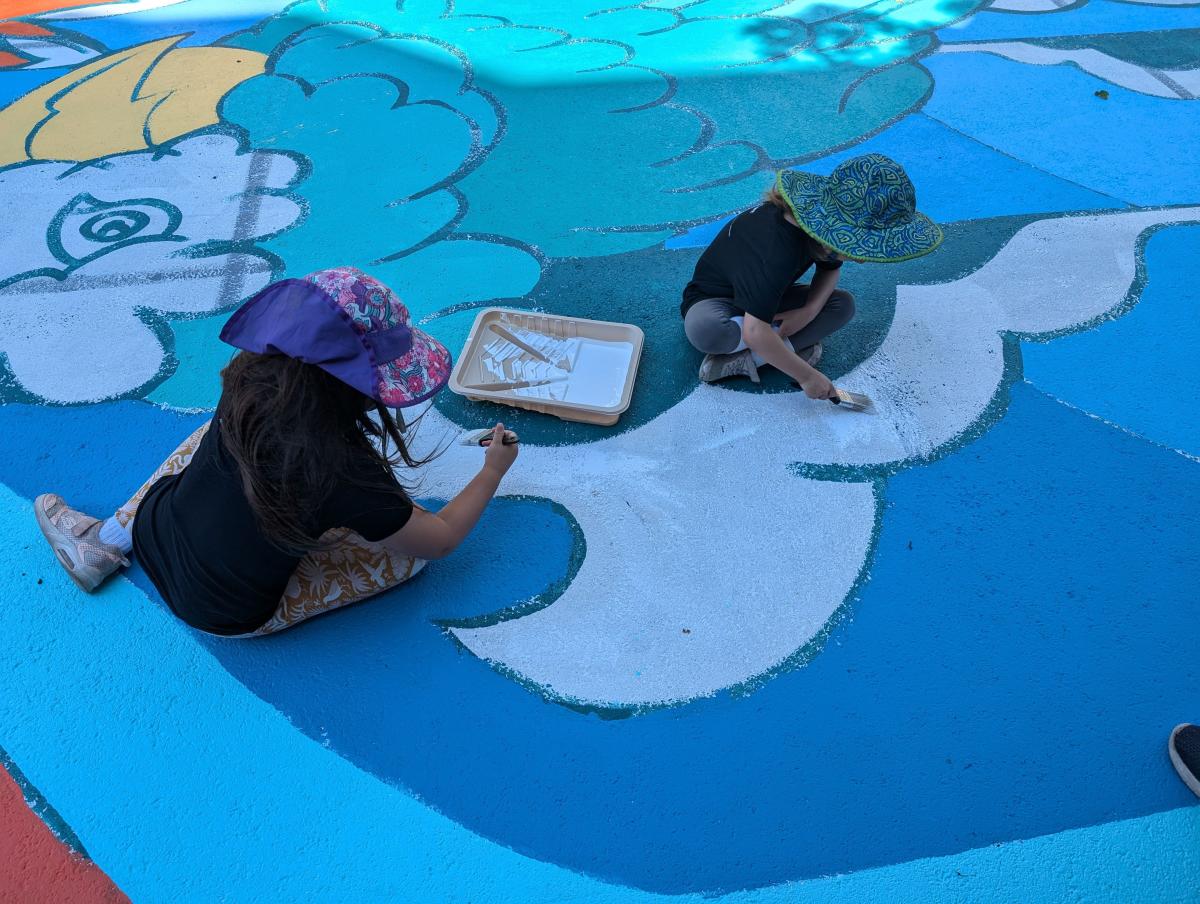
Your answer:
<point x="709" y="328"/>
<point x="838" y="311"/>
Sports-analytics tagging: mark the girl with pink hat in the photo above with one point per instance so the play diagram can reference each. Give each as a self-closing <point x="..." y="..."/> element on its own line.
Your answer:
<point x="286" y="505"/>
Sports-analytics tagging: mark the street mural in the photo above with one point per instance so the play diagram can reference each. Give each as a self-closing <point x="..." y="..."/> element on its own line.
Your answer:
<point x="736" y="643"/>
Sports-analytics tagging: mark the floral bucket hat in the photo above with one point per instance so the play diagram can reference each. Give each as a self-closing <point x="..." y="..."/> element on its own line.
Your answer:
<point x="865" y="209"/>
<point x="349" y="325"/>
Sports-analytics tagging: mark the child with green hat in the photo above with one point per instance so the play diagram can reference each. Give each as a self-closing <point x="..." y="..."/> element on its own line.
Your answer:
<point x="744" y="307"/>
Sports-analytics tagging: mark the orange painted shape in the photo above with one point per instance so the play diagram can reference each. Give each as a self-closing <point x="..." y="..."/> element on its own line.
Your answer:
<point x="23" y="30"/>
<point x="9" y="60"/>
<point x="37" y="868"/>
<point x="14" y="9"/>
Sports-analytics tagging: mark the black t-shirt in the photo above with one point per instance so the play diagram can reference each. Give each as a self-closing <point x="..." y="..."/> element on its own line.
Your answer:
<point x="753" y="260"/>
<point x="199" y="541"/>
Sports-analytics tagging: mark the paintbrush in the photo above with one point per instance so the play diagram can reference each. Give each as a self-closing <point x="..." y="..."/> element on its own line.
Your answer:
<point x="852" y="401"/>
<point x="504" y="387"/>
<point x="479" y="437"/>
<point x="526" y="347"/>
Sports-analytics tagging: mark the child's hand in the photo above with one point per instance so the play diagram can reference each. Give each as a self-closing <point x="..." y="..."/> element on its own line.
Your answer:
<point x="792" y="322"/>
<point x="500" y="456"/>
<point x="818" y="386"/>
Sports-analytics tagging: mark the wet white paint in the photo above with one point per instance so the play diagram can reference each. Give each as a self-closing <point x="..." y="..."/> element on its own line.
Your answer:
<point x="598" y="377"/>
<point x="694" y="521"/>
<point x="581" y="371"/>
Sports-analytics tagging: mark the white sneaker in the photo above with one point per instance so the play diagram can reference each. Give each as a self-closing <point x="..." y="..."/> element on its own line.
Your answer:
<point x="74" y="537"/>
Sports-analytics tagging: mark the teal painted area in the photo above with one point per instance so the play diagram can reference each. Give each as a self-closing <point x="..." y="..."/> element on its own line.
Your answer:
<point x="164" y="699"/>
<point x="1091" y="17"/>
<point x="201" y="355"/>
<point x="339" y="98"/>
<point x="1049" y="117"/>
<point x="644" y="287"/>
<point x="560" y="157"/>
<point x="655" y="106"/>
<point x="1160" y="49"/>
<point x="1138" y="371"/>
<point x="339" y="128"/>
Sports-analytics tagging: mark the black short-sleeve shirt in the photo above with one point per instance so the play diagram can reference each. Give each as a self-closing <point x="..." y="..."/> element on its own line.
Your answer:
<point x="198" y="539"/>
<point x="753" y="260"/>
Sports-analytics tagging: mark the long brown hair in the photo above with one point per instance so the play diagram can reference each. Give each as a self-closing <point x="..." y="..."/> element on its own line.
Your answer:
<point x="295" y="432"/>
<point x="774" y="196"/>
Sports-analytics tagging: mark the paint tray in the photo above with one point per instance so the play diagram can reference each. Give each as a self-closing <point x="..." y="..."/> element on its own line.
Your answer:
<point x="575" y="369"/>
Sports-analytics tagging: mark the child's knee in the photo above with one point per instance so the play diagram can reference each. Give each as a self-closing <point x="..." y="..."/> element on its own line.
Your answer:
<point x="712" y="336"/>
<point x="844" y="304"/>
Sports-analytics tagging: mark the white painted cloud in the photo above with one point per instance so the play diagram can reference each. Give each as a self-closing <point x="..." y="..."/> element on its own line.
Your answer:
<point x="694" y="521"/>
<point x="89" y="251"/>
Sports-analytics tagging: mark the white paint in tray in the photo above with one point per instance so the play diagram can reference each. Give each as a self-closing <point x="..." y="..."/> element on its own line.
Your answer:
<point x="593" y="371"/>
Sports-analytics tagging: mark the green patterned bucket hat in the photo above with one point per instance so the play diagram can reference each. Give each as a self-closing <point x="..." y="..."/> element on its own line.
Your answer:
<point x="865" y="209"/>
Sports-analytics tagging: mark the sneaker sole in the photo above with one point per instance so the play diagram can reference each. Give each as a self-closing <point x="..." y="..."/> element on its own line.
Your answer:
<point x="48" y="530"/>
<point x="1184" y="773"/>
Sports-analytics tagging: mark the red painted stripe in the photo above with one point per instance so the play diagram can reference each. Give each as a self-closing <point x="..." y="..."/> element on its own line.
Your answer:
<point x="23" y="30"/>
<point x="8" y="60"/>
<point x="37" y="868"/>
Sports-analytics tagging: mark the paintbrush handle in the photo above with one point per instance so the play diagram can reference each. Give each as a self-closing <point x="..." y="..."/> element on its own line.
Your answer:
<point x="520" y="343"/>
<point x="503" y="387"/>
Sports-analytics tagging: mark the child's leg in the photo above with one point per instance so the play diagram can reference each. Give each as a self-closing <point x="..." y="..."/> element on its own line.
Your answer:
<point x="90" y="549"/>
<point x="838" y="311"/>
<point x="327" y="579"/>
<point x="710" y="327"/>
<point x="176" y="462"/>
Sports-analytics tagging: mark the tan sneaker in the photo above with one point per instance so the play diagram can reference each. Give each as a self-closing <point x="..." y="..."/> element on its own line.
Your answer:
<point x="812" y="354"/>
<point x="721" y="367"/>
<point x="74" y="537"/>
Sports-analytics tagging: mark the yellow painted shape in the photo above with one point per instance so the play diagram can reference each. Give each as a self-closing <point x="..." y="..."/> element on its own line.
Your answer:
<point x="126" y="101"/>
<point x="194" y="79"/>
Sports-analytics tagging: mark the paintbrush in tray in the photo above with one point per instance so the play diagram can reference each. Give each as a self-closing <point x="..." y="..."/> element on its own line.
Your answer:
<point x="524" y="346"/>
<point x="506" y="386"/>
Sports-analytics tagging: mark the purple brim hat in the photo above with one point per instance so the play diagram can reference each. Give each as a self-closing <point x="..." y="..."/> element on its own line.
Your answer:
<point x="351" y="326"/>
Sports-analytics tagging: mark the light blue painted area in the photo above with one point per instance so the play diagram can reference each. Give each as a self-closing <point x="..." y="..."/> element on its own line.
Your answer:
<point x="1001" y="736"/>
<point x="1140" y="370"/>
<point x="961" y="179"/>
<point x="1093" y="17"/>
<point x="18" y="82"/>
<point x="414" y="127"/>
<point x="1126" y="147"/>
<point x="180" y="730"/>
<point x="988" y="720"/>
<point x="956" y="178"/>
